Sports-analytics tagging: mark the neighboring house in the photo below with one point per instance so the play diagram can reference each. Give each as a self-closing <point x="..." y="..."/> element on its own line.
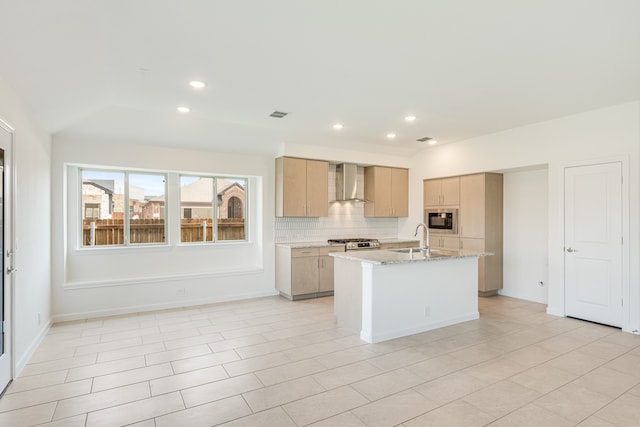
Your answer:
<point x="97" y="199"/>
<point x="231" y="201"/>
<point x="196" y="200"/>
<point x="104" y="199"/>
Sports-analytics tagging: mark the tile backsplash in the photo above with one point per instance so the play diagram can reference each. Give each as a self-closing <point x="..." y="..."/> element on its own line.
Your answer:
<point x="346" y="219"/>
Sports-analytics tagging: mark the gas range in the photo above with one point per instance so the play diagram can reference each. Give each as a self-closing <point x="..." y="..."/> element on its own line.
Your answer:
<point x="355" y="244"/>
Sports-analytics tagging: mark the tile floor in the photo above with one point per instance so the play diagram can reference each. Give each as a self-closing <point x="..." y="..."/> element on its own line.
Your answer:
<point x="271" y="362"/>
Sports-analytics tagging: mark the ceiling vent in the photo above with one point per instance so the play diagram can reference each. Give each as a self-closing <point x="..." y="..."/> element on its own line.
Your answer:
<point x="424" y="139"/>
<point x="278" y="114"/>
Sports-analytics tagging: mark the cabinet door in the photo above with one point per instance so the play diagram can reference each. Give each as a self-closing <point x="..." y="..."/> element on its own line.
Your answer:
<point x="450" y="191"/>
<point x="431" y="192"/>
<point x="304" y="275"/>
<point x="326" y="274"/>
<point x="294" y="187"/>
<point x="377" y="191"/>
<point x="399" y="192"/>
<point x="471" y="218"/>
<point x="452" y="243"/>
<point x="317" y="188"/>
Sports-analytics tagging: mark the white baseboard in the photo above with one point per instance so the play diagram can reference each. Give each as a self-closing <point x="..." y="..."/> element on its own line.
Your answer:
<point x="518" y="296"/>
<point x="24" y="359"/>
<point x="162" y="306"/>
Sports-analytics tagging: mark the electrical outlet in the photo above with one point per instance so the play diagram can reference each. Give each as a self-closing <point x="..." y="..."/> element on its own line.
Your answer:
<point x="181" y="291"/>
<point x="427" y="311"/>
<point x="39" y="321"/>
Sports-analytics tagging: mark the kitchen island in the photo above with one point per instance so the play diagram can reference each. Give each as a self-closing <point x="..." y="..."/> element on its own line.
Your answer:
<point x="386" y="294"/>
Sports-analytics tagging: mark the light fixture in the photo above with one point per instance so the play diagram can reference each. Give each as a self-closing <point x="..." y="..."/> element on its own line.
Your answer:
<point x="338" y="126"/>
<point x="196" y="84"/>
<point x="391" y="135"/>
<point x="433" y="142"/>
<point x="183" y="109"/>
<point x="409" y="118"/>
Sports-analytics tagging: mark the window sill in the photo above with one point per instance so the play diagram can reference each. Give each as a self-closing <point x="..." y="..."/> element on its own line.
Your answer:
<point x="159" y="279"/>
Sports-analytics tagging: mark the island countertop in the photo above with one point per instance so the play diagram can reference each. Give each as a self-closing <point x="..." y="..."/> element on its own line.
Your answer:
<point x="394" y="257"/>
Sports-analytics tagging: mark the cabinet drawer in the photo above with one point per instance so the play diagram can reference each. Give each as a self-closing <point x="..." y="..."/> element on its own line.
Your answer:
<point x="303" y="252"/>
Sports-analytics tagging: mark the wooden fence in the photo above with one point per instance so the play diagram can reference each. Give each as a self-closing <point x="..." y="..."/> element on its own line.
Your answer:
<point x="111" y="231"/>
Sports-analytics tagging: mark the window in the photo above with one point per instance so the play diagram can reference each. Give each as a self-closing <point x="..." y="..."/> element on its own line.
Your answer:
<point x="92" y="210"/>
<point x="129" y="208"/>
<point x="208" y="200"/>
<point x="106" y="222"/>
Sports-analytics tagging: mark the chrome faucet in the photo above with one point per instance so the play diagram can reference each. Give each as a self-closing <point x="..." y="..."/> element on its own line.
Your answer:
<point x="425" y="237"/>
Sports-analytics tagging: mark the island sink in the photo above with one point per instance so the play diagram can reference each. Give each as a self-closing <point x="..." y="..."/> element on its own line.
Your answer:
<point x="417" y="252"/>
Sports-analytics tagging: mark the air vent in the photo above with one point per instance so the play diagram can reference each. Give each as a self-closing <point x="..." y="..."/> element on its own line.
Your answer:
<point x="278" y="114"/>
<point x="424" y="139"/>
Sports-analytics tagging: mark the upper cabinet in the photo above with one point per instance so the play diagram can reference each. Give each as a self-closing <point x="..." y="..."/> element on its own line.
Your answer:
<point x="441" y="192"/>
<point x="386" y="192"/>
<point x="302" y="187"/>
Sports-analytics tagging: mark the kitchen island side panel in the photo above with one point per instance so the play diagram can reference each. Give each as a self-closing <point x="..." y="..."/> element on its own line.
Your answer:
<point x="405" y="299"/>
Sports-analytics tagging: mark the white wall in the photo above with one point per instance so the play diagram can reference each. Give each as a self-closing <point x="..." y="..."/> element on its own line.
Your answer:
<point x="94" y="282"/>
<point x="609" y="133"/>
<point x="525" y="235"/>
<point x="32" y="286"/>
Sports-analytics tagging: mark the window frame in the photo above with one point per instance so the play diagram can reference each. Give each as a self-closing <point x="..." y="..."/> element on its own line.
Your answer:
<point x="214" y="207"/>
<point x="172" y="208"/>
<point x="126" y="208"/>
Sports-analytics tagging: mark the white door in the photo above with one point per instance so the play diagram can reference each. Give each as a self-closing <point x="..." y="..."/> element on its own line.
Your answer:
<point x="5" y="255"/>
<point x="593" y="242"/>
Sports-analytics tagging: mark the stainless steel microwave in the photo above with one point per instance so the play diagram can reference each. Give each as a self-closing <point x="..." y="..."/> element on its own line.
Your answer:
<point x="441" y="221"/>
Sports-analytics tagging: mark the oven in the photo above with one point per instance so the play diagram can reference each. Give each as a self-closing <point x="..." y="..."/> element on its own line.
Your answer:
<point x="356" y="244"/>
<point x="441" y="221"/>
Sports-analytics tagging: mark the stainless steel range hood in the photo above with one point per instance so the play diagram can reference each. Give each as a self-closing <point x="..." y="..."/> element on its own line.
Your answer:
<point x="347" y="183"/>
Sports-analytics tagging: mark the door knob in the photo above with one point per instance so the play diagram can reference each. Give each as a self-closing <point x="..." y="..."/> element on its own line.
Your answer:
<point x="570" y="249"/>
<point x="11" y="270"/>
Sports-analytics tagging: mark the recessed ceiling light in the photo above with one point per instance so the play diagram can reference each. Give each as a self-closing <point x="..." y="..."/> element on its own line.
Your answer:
<point x="338" y="126"/>
<point x="184" y="109"/>
<point x="197" y="84"/>
<point x="391" y="135"/>
<point x="409" y="118"/>
<point x="433" y="142"/>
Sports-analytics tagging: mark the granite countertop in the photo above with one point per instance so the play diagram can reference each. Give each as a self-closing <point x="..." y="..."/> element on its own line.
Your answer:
<point x="394" y="257"/>
<point x="302" y="245"/>
<point x="324" y="244"/>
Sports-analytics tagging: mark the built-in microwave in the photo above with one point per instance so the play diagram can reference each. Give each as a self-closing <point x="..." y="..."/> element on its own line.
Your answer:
<point x="442" y="221"/>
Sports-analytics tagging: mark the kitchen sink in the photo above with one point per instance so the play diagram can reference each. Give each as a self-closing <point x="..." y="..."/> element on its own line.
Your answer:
<point x="434" y="253"/>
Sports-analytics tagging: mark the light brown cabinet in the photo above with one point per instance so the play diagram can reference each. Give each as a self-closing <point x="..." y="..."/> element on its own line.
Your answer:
<point x="302" y="187"/>
<point x="444" y="242"/>
<point x="305" y="272"/>
<point x="480" y="226"/>
<point x="400" y="245"/>
<point x="441" y="192"/>
<point x="386" y="192"/>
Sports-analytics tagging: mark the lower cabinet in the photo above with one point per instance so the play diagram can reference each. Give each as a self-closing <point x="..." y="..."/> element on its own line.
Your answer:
<point x="305" y="272"/>
<point x="489" y="267"/>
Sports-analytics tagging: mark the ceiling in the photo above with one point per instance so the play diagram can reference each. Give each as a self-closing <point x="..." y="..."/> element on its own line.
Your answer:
<point x="115" y="70"/>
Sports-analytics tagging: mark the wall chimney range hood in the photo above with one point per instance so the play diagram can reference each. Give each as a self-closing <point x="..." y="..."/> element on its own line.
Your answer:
<point x="347" y="183"/>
